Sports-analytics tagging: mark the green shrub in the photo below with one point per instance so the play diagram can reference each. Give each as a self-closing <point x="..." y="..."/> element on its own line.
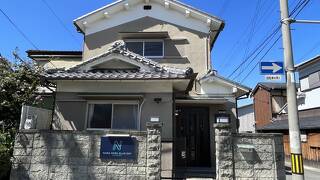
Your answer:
<point x="6" y="150"/>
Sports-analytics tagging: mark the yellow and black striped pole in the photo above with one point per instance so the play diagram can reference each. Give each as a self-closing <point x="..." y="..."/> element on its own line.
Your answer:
<point x="297" y="164"/>
<point x="292" y="109"/>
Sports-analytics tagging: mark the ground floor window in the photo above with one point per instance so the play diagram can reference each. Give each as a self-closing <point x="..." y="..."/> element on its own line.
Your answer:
<point x="114" y="115"/>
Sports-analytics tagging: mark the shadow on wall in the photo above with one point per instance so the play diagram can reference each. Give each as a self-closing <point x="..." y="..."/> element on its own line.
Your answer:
<point x="69" y="116"/>
<point x="174" y="47"/>
<point x="99" y="39"/>
<point x="250" y="155"/>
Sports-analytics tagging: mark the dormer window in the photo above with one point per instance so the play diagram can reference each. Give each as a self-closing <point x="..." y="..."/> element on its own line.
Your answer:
<point x="147" y="48"/>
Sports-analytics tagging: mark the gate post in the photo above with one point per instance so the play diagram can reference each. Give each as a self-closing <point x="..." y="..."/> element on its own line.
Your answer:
<point x="153" y="150"/>
<point x="224" y="152"/>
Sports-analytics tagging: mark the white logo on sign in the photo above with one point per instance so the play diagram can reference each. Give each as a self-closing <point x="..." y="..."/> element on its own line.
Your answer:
<point x="117" y="146"/>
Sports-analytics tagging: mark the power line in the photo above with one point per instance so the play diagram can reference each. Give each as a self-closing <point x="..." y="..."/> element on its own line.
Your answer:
<point x="60" y="21"/>
<point x="299" y="7"/>
<point x="261" y="19"/>
<point x="315" y="46"/>
<point x="18" y="29"/>
<point x="223" y="7"/>
<point x="253" y="30"/>
<point x="263" y="44"/>
<point x="274" y="43"/>
<point x="261" y="50"/>
<point x="303" y="6"/>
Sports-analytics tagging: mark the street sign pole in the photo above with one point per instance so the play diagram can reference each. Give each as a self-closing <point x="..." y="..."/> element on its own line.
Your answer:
<point x="294" y="130"/>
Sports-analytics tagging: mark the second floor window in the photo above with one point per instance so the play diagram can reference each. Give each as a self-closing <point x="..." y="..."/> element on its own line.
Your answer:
<point x="147" y="48"/>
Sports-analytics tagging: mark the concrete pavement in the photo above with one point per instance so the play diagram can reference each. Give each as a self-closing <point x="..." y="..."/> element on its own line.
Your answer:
<point x="310" y="173"/>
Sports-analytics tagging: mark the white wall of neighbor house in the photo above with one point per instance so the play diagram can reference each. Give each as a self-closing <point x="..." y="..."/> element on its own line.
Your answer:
<point x="311" y="99"/>
<point x="246" y="118"/>
<point x="57" y="62"/>
<point x="215" y="88"/>
<point x="309" y="76"/>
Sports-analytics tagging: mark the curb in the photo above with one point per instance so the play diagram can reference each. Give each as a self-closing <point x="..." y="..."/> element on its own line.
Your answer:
<point x="305" y="167"/>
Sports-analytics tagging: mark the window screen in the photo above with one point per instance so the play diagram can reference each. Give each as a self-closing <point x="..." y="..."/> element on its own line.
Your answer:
<point x="116" y="116"/>
<point x="304" y="84"/>
<point x="136" y="47"/>
<point x="124" y="116"/>
<point x="146" y="48"/>
<point x="153" y="49"/>
<point x="314" y="80"/>
<point x="100" y="115"/>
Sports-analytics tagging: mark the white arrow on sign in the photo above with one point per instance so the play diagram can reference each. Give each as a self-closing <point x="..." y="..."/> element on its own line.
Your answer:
<point x="275" y="67"/>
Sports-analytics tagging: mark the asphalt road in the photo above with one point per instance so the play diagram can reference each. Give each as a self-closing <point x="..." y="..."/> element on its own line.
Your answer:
<point x="309" y="174"/>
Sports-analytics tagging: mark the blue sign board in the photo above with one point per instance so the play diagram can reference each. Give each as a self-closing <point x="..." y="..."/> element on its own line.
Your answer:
<point x="271" y="68"/>
<point x="117" y="147"/>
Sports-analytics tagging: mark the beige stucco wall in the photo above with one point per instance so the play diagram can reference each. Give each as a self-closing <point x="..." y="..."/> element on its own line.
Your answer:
<point x="71" y="109"/>
<point x="184" y="47"/>
<point x="52" y="63"/>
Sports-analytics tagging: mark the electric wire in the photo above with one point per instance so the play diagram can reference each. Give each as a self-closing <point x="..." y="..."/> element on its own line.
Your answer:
<point x="60" y="21"/>
<point x="273" y="44"/>
<point x="223" y="7"/>
<point x="18" y="29"/>
<point x="299" y="7"/>
<point x="261" y="20"/>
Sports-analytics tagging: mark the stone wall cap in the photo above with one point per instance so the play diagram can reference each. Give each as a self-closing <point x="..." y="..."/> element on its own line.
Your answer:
<point x="222" y="125"/>
<point x="154" y="124"/>
<point x="84" y="132"/>
<point x="258" y="134"/>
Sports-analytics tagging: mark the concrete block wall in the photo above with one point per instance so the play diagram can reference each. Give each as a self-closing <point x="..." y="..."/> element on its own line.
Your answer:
<point x="75" y="155"/>
<point x="248" y="155"/>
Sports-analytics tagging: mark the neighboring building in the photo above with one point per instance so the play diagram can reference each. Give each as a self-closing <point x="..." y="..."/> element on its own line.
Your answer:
<point x="142" y="92"/>
<point x="268" y="100"/>
<point x="246" y="119"/>
<point x="273" y="118"/>
<point x="309" y="77"/>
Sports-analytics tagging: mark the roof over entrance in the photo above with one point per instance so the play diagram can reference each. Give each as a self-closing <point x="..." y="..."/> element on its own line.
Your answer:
<point x="213" y="79"/>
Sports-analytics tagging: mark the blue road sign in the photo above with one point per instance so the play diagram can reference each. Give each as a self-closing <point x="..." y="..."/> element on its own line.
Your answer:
<point x="271" y="68"/>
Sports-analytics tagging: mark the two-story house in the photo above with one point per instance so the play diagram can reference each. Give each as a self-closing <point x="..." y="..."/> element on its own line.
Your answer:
<point x="142" y="61"/>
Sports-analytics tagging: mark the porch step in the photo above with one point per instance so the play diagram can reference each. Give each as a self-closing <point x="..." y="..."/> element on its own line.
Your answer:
<point x="195" y="173"/>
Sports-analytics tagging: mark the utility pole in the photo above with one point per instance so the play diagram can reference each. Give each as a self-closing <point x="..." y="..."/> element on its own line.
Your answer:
<point x="293" y="119"/>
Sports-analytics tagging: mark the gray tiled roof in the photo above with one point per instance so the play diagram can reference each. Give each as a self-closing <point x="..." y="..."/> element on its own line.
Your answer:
<point x="305" y="123"/>
<point x="112" y="75"/>
<point x="156" y="71"/>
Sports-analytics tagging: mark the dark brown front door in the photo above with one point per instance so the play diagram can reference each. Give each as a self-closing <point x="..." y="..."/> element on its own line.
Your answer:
<point x="192" y="137"/>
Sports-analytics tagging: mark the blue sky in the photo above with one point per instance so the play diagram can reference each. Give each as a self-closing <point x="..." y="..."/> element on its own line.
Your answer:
<point x="239" y="38"/>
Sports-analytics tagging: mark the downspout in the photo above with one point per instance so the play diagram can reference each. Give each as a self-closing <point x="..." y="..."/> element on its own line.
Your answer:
<point x="140" y="110"/>
<point x="54" y="93"/>
<point x="208" y="52"/>
<point x="237" y="121"/>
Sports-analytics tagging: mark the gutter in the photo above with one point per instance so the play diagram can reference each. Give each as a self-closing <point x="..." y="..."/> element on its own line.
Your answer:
<point x="216" y="37"/>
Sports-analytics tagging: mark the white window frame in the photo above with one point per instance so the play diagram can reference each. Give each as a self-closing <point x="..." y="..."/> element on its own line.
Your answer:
<point x="112" y="102"/>
<point x="143" y="45"/>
